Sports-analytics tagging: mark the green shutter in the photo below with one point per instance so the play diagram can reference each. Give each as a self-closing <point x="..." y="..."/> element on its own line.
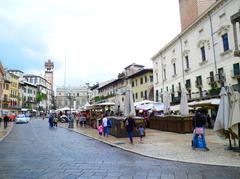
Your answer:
<point x="236" y="69"/>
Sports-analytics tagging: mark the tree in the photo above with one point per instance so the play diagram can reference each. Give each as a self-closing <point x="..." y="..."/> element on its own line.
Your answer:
<point x="40" y="97"/>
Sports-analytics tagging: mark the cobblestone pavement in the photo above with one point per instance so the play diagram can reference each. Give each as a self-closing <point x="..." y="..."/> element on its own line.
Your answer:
<point x="5" y="131"/>
<point x="35" y="151"/>
<point x="170" y="146"/>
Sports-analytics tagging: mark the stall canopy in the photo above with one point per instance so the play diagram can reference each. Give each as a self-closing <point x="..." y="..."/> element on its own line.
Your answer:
<point x="153" y="106"/>
<point x="63" y="109"/>
<point x="205" y="103"/>
<point x="143" y="102"/>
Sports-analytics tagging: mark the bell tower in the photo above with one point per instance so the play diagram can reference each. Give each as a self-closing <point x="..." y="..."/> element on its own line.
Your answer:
<point x="49" y="65"/>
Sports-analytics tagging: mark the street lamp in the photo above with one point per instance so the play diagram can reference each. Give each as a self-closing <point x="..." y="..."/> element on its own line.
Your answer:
<point x="70" y="115"/>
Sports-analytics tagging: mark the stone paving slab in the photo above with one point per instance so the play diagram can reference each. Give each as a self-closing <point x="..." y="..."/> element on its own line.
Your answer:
<point x="171" y="146"/>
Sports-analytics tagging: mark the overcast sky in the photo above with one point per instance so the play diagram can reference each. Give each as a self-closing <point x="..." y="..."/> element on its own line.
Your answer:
<point x="99" y="38"/>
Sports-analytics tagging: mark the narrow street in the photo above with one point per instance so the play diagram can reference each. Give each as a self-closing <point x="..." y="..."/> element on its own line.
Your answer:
<point x="35" y="151"/>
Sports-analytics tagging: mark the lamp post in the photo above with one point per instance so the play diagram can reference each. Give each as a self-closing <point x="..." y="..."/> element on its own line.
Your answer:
<point x="71" y="120"/>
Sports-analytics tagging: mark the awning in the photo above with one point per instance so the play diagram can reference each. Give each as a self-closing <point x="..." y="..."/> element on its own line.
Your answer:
<point x="205" y="103"/>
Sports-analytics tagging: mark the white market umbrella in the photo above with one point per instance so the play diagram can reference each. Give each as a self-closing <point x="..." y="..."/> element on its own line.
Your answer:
<point x="234" y="118"/>
<point x="223" y="114"/>
<point x="166" y="102"/>
<point x="128" y="105"/>
<point x="184" y="103"/>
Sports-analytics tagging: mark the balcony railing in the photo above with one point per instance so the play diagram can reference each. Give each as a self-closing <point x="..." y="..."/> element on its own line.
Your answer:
<point x="220" y="77"/>
<point x="198" y="83"/>
<point x="188" y="85"/>
<point x="210" y="80"/>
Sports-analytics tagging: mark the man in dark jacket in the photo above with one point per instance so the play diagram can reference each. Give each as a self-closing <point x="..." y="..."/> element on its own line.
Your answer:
<point x="5" y="120"/>
<point x="130" y="125"/>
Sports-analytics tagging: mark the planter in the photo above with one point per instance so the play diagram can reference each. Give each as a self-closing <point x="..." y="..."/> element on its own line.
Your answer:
<point x="118" y="127"/>
<point x="172" y="123"/>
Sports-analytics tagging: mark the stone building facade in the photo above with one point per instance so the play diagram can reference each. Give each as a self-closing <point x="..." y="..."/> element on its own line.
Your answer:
<point x="202" y="58"/>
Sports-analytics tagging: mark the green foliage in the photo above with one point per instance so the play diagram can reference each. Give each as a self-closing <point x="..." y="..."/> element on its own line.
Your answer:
<point x="215" y="90"/>
<point x="40" y="96"/>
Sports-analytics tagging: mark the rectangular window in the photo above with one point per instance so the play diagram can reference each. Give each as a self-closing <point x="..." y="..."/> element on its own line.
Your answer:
<point x="136" y="81"/>
<point x="145" y="95"/>
<point x="199" y="81"/>
<point x="132" y="83"/>
<point x="172" y="88"/>
<point x="211" y="77"/>
<point x="141" y="81"/>
<point x="157" y="95"/>
<point x="164" y="73"/>
<point x="225" y="42"/>
<point x="151" y="78"/>
<point x="188" y="83"/>
<point x="236" y="69"/>
<point x="203" y="53"/>
<point x="174" y="69"/>
<point x="141" y="94"/>
<point x="145" y="79"/>
<point x="157" y="77"/>
<point x="187" y="62"/>
<point x="136" y="96"/>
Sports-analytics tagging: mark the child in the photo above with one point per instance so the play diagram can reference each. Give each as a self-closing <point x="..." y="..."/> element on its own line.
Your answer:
<point x="141" y="131"/>
<point x="100" y="129"/>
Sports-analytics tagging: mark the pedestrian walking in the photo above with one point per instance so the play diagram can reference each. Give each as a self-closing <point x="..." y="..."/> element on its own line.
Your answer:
<point x="5" y="121"/>
<point x="100" y="129"/>
<point x="50" y="120"/>
<point x="198" y="138"/>
<point x="105" y="126"/>
<point x="130" y="125"/>
<point x="141" y="131"/>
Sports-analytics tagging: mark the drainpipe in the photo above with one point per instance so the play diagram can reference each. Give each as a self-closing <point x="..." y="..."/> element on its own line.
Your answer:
<point x="214" y="53"/>
<point x="182" y="59"/>
<point x="162" y="76"/>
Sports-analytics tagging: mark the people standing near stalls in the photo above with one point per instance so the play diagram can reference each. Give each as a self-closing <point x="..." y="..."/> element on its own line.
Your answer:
<point x="100" y="129"/>
<point x="130" y="125"/>
<point x="105" y="126"/>
<point x="141" y="131"/>
<point x="198" y="139"/>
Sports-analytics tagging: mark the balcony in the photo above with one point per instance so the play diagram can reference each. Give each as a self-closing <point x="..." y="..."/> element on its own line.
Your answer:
<point x="220" y="77"/>
<point x="198" y="83"/>
<point x="188" y="86"/>
<point x="210" y="80"/>
<point x="187" y="69"/>
<point x="235" y="73"/>
<point x="236" y="53"/>
<point x="236" y="87"/>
